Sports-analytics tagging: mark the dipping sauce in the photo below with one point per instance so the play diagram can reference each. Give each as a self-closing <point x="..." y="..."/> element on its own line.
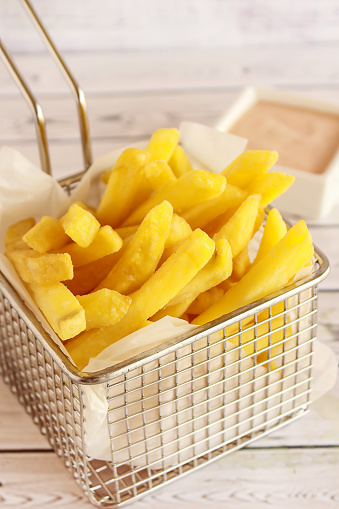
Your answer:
<point x="305" y="139"/>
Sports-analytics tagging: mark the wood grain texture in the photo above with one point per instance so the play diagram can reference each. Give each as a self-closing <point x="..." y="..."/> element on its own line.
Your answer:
<point x="257" y="478"/>
<point x="106" y="72"/>
<point x="172" y="24"/>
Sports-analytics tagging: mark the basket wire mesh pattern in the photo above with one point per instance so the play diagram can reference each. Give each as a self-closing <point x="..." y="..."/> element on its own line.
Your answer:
<point x="174" y="409"/>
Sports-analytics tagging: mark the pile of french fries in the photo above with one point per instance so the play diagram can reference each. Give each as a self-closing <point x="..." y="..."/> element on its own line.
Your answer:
<point x="165" y="239"/>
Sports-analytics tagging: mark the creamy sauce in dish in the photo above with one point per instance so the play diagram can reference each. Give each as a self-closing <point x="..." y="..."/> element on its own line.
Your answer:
<point x="305" y="139"/>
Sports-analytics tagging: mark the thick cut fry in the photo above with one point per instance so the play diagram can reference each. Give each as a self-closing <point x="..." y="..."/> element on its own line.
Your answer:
<point x="189" y="190"/>
<point x="216" y="270"/>
<point x="127" y="187"/>
<point x="159" y="175"/>
<point x="270" y="274"/>
<point x="160" y="288"/>
<point x="49" y="268"/>
<point x="104" y="307"/>
<point x="175" y="310"/>
<point x="80" y="225"/>
<point x="203" y="213"/>
<point x="274" y="231"/>
<point x="61" y="308"/>
<point x="162" y="143"/>
<point x="47" y="234"/>
<point x="18" y="258"/>
<point x="239" y="229"/>
<point x="179" y="231"/>
<point x="132" y="157"/>
<point x="14" y="234"/>
<point x="270" y="186"/>
<point x="143" y="253"/>
<point x="205" y="300"/>
<point x="179" y="162"/>
<point x="85" y="206"/>
<point x="248" y="166"/>
<point x="241" y="264"/>
<point x="106" y="242"/>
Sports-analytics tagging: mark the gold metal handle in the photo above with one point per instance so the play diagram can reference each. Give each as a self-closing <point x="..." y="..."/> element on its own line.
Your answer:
<point x="35" y="106"/>
<point x="40" y="123"/>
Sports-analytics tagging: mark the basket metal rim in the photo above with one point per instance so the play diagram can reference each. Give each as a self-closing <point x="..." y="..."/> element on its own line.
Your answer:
<point x="107" y="374"/>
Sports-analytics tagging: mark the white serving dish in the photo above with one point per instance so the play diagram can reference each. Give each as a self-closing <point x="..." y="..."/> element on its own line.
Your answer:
<point x="313" y="195"/>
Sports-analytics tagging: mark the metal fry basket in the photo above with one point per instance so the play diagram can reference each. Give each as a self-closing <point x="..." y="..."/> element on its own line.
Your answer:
<point x="172" y="409"/>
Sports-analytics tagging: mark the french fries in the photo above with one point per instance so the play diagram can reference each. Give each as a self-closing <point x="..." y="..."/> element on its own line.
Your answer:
<point x="80" y="225"/>
<point x="164" y="240"/>
<point x="270" y="274"/>
<point x="143" y="253"/>
<point x="103" y="307"/>
<point x="126" y="188"/>
<point x="47" y="234"/>
<point x="155" y="293"/>
<point x="186" y="192"/>
<point x="239" y="229"/>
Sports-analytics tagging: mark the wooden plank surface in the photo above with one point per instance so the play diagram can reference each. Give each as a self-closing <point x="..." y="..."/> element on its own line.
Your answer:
<point x="129" y="96"/>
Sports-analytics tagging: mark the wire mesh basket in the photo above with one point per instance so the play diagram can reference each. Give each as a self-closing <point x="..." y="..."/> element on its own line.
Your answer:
<point x="172" y="409"/>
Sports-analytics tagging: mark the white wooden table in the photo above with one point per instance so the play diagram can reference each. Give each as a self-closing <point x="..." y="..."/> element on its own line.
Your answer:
<point x="130" y="94"/>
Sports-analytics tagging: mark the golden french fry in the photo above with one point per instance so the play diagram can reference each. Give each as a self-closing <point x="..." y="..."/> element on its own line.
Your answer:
<point x="85" y="206"/>
<point x="239" y="229"/>
<point x="18" y="258"/>
<point x="126" y="188"/>
<point x="241" y="264"/>
<point x="80" y="225"/>
<point x="49" y="268"/>
<point x="162" y="143"/>
<point x="61" y="309"/>
<point x="159" y="175"/>
<point x="143" y="253"/>
<point x="47" y="234"/>
<point x="179" y="162"/>
<point x="216" y="270"/>
<point x="160" y="288"/>
<point x="270" y="274"/>
<point x="248" y="166"/>
<point x="105" y="242"/>
<point x="189" y="190"/>
<point x="203" y="213"/>
<point x="175" y="310"/>
<point x="274" y="230"/>
<point x="130" y="157"/>
<point x="205" y="300"/>
<point x="14" y="234"/>
<point x="270" y="186"/>
<point x="179" y="231"/>
<point x="104" y="307"/>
